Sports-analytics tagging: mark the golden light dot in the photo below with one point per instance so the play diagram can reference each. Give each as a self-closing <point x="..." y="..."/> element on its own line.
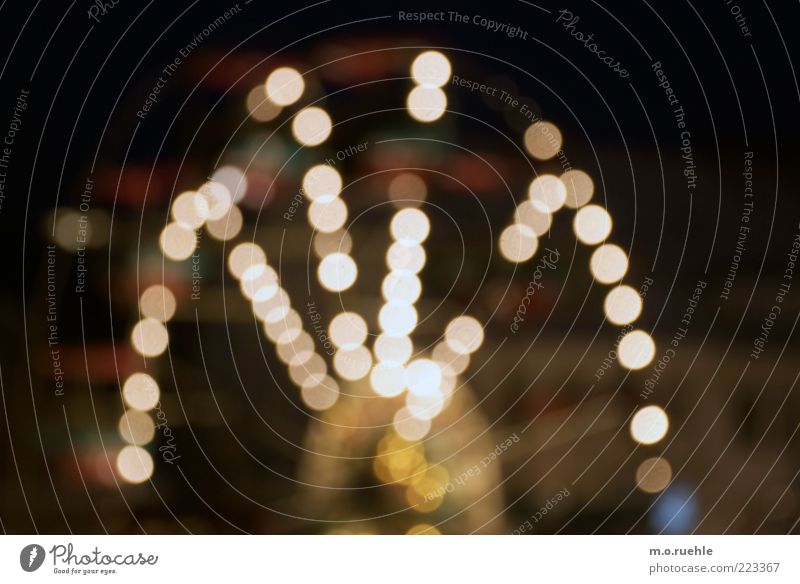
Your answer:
<point x="285" y="86"/>
<point x="653" y="475"/>
<point x="177" y="241"/>
<point x="518" y="243"/>
<point x="542" y="140"/>
<point x="311" y="126"/>
<point x="190" y="208"/>
<point x="322" y="180"/>
<point x="353" y="364"/>
<point x="218" y="198"/>
<point x="407" y="190"/>
<point x="623" y="305"/>
<point x="592" y="224"/>
<point x="348" y="330"/>
<point x="158" y="302"/>
<point x="149" y="337"/>
<point x="136" y="427"/>
<point x="261" y="108"/>
<point x="528" y="215"/>
<point x="305" y="373"/>
<point x="387" y="379"/>
<point x="227" y="227"/>
<point x="393" y="350"/>
<point x="320" y="394"/>
<point x="580" y="188"/>
<point x="547" y="193"/>
<point x="423" y="529"/>
<point x="297" y="351"/>
<point x="243" y="256"/>
<point x="233" y="179"/>
<point x="397" y="320"/>
<point x="409" y="427"/>
<point x="134" y="464"/>
<point x="400" y="287"/>
<point x="410" y="226"/>
<point x="464" y="334"/>
<point x="140" y="391"/>
<point x="327" y="214"/>
<point x="649" y="425"/>
<point x="431" y="69"/>
<point x="426" y="104"/>
<point x="336" y="242"/>
<point x="636" y="350"/>
<point x="337" y="272"/>
<point x="608" y="263"/>
<point x="405" y="257"/>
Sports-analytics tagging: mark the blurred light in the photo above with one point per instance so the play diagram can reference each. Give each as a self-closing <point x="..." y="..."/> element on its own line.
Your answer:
<point x="423" y="529"/>
<point x="327" y="213"/>
<point x="608" y="263"/>
<point x="336" y="242"/>
<point x="592" y="224"/>
<point x="623" y="305"/>
<point x="653" y="475"/>
<point x="426" y="104"/>
<point x="636" y="350"/>
<point x="285" y="86"/>
<point x="409" y="427"/>
<point x="233" y="179"/>
<point x="401" y="287"/>
<point x="243" y="256"/>
<point x="649" y="425"/>
<point x="136" y="427"/>
<point x="311" y="126"/>
<point x="190" y="208"/>
<point x="337" y="272"/>
<point x="177" y="241"/>
<point x="580" y="188"/>
<point x="353" y="364"/>
<point x="675" y="511"/>
<point x="260" y="287"/>
<point x="320" y="394"/>
<point x="297" y="351"/>
<point x="140" y="391"/>
<point x="405" y="257"/>
<point x="135" y="465"/>
<point x="348" y="330"/>
<point x="407" y="190"/>
<point x="464" y="334"/>
<point x="312" y="368"/>
<point x="388" y="379"/>
<point x="261" y="108"/>
<point x="518" y="243"/>
<point x="444" y="355"/>
<point x="321" y="180"/>
<point x="227" y="227"/>
<point x="542" y="140"/>
<point x="218" y="197"/>
<point x="397" y="321"/>
<point x="286" y="329"/>
<point x="547" y="193"/>
<point x="425" y="406"/>
<point x="431" y="69"/>
<point x="273" y="308"/>
<point x="423" y="376"/>
<point x="410" y="226"/>
<point x="527" y="214"/>
<point x="149" y="337"/>
<point x="67" y="227"/>
<point x="393" y="350"/>
<point x="158" y="302"/>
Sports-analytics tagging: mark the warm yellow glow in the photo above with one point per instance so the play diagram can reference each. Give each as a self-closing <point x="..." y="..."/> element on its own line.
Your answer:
<point x="649" y="425"/>
<point x="348" y="330"/>
<point x="227" y="227"/>
<point x="285" y="86"/>
<point x="608" y="264"/>
<point x="423" y="529"/>
<point x="177" y="241"/>
<point x="653" y="475"/>
<point x="190" y="208"/>
<point x="336" y="242"/>
<point x="547" y="193"/>
<point x="134" y="464"/>
<point x="431" y="69"/>
<point x="518" y="243"/>
<point x="322" y="180"/>
<point x="539" y="222"/>
<point x="320" y="394"/>
<point x="327" y="214"/>
<point x="623" y="305"/>
<point x="158" y="302"/>
<point x="393" y="350"/>
<point x="218" y="198"/>
<point x="353" y="364"/>
<point x="337" y="272"/>
<point x="542" y="140"/>
<point x="426" y="104"/>
<point x="233" y="179"/>
<point x="140" y="391"/>
<point x="405" y="257"/>
<point x="410" y="226"/>
<point x="387" y="379"/>
<point x="580" y="188"/>
<point x="397" y="320"/>
<point x="149" y="337"/>
<point x="136" y="427"/>
<point x="636" y="350"/>
<point x="592" y="224"/>
<point x="407" y="190"/>
<point x="261" y="108"/>
<point x="464" y="335"/>
<point x="243" y="256"/>
<point x="311" y="126"/>
<point x="401" y="287"/>
<point x="409" y="427"/>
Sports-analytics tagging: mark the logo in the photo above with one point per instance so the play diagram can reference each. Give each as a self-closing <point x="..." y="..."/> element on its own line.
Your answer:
<point x="31" y="557"/>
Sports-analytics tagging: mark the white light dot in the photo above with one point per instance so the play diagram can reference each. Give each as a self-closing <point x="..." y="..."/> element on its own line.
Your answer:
<point x="423" y="376"/>
<point x="274" y="308"/>
<point x="320" y="394"/>
<point x="623" y="305"/>
<point x="393" y="350"/>
<point x="426" y="104"/>
<point x="348" y="330"/>
<point x="228" y="226"/>
<point x="259" y="283"/>
<point x="261" y="108"/>
<point x="243" y="256"/>
<point x="149" y="337"/>
<point x="388" y="380"/>
<point x="410" y="427"/>
<point x="608" y="263"/>
<point x="401" y="287"/>
<point x="233" y="179"/>
<point x="353" y="364"/>
<point x="140" y="391"/>
<point x="284" y="330"/>
<point x="297" y="351"/>
<point x="636" y="350"/>
<point x="649" y="425"/>
<point x="136" y="427"/>
<point x="592" y="224"/>
<point x="134" y="464"/>
<point x="322" y="180"/>
<point x="190" y="208"/>
<point x="285" y="86"/>
<point x="448" y="358"/>
<point x="158" y="302"/>
<point x="518" y="243"/>
<point x="397" y="320"/>
<point x="464" y="334"/>
<point x="528" y="215"/>
<point x="431" y="69"/>
<point x="425" y="406"/>
<point x="405" y="257"/>
<point x="547" y="193"/>
<point x="177" y="241"/>
<point x="543" y="140"/>
<point x="218" y="198"/>
<point x="410" y="226"/>
<point x="337" y="272"/>
<point x="304" y="373"/>
<point x="327" y="214"/>
<point x="580" y="188"/>
<point x="311" y="126"/>
<point x="336" y="242"/>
